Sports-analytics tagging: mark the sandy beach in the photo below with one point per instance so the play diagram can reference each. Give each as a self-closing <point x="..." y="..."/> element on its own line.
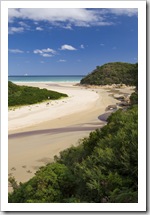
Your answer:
<point x="78" y="100"/>
<point x="38" y="132"/>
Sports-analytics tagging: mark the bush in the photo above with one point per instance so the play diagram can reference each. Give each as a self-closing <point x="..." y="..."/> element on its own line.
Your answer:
<point x="23" y="95"/>
<point x="103" y="168"/>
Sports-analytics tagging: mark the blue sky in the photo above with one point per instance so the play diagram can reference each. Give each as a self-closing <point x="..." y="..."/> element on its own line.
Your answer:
<point x="70" y="41"/>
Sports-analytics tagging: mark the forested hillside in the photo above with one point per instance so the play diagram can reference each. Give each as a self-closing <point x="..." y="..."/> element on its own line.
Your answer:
<point x="112" y="73"/>
<point x="23" y="95"/>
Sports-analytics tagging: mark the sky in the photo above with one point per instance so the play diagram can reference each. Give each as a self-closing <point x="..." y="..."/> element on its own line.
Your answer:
<point x="70" y="41"/>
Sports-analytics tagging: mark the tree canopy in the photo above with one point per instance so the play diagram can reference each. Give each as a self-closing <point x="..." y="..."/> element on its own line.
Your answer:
<point x="113" y="73"/>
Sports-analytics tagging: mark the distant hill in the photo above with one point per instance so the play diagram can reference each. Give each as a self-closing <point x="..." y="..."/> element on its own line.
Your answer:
<point x="23" y="95"/>
<point x="113" y="73"/>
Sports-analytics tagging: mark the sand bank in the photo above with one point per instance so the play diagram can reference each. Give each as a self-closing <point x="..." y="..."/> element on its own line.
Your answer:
<point x="39" y="132"/>
<point x="78" y="100"/>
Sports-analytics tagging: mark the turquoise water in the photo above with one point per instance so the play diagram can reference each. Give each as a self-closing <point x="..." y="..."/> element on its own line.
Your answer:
<point x="63" y="78"/>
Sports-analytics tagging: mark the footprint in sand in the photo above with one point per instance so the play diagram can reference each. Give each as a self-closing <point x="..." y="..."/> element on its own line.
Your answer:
<point x="29" y="171"/>
<point x="10" y="174"/>
<point x="24" y="166"/>
<point x="13" y="168"/>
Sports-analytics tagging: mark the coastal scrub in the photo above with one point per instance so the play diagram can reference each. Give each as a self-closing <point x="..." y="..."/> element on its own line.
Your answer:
<point x="23" y="95"/>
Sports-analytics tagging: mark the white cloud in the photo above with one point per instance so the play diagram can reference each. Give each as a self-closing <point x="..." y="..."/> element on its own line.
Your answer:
<point x="23" y="24"/>
<point x="59" y="14"/>
<point x="39" y="29"/>
<point x="13" y="13"/>
<point x="13" y="30"/>
<point x="69" y="17"/>
<point x="124" y="11"/>
<point x="15" y="51"/>
<point x="69" y="27"/>
<point x="19" y="29"/>
<point x="46" y="55"/>
<point x="82" y="46"/>
<point x="74" y="16"/>
<point x="102" y="44"/>
<point x="67" y="47"/>
<point x="45" y="52"/>
<point x="62" y="60"/>
<point x="49" y="50"/>
<point x="37" y="51"/>
<point x="40" y="51"/>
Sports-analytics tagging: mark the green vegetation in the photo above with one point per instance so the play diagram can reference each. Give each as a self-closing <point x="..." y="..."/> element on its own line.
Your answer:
<point x="23" y="95"/>
<point x="113" y="73"/>
<point x="134" y="98"/>
<point x="103" y="168"/>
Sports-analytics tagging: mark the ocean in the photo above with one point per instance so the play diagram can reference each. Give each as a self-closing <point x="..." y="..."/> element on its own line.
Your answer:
<point x="51" y="79"/>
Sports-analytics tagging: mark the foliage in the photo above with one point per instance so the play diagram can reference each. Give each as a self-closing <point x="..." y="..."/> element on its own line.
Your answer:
<point x="13" y="182"/>
<point x="23" y="95"/>
<point x="103" y="168"/>
<point x="46" y="186"/>
<point x="134" y="98"/>
<point x="135" y="76"/>
<point x="113" y="73"/>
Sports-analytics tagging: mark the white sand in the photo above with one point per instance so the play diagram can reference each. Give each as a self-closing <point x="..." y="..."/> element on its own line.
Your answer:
<point x="70" y="117"/>
<point x="78" y="100"/>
